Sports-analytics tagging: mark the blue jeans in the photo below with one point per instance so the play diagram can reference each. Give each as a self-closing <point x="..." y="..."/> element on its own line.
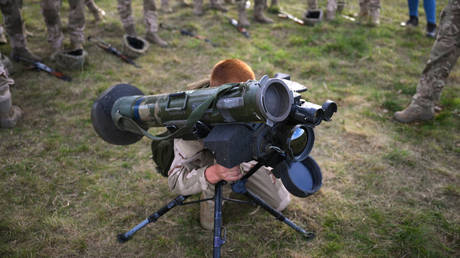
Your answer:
<point x="428" y="5"/>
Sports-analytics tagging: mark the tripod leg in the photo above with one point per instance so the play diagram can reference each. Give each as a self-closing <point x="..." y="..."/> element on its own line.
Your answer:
<point x="152" y="218"/>
<point x="218" y="240"/>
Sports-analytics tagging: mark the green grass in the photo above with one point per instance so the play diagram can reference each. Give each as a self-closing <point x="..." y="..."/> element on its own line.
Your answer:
<point x="389" y="189"/>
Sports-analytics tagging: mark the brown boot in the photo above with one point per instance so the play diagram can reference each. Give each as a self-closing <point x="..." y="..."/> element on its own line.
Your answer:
<point x="154" y="38"/>
<point x="363" y="15"/>
<point x="242" y="15"/>
<point x="23" y="54"/>
<point x="198" y="7"/>
<point x="414" y="112"/>
<point x="12" y="118"/>
<point x="259" y="6"/>
<point x="216" y="5"/>
<point x="207" y="214"/>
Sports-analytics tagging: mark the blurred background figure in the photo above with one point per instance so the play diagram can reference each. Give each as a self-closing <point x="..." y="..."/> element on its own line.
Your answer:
<point x="430" y="12"/>
<point x="14" y="27"/>
<point x="215" y="4"/>
<point x="76" y="24"/>
<point x="97" y="12"/>
<point x="369" y="12"/>
<point x="9" y="114"/>
<point x="150" y="20"/>
<point x="3" y="39"/>
<point x="259" y="16"/>
<point x="166" y="8"/>
<point x="443" y="57"/>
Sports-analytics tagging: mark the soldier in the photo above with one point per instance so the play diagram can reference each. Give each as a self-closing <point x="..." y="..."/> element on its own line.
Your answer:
<point x="15" y="29"/>
<point x="369" y="12"/>
<point x="194" y="170"/>
<point x="259" y="7"/>
<point x="76" y="25"/>
<point x="97" y="12"/>
<point x="9" y="114"/>
<point x="215" y="4"/>
<point x="443" y="57"/>
<point x="150" y="20"/>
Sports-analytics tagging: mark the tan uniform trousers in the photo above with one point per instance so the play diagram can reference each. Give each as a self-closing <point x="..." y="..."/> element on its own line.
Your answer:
<point x="50" y="11"/>
<point x="150" y="16"/>
<point x="186" y="176"/>
<point x="443" y="57"/>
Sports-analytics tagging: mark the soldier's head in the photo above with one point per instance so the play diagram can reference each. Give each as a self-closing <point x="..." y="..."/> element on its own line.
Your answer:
<point x="231" y="71"/>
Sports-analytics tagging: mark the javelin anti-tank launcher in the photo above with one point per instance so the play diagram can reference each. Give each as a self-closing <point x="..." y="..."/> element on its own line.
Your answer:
<point x="265" y="120"/>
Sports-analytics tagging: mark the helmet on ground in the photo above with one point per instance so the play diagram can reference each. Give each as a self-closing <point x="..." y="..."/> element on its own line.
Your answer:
<point x="133" y="47"/>
<point x="71" y="60"/>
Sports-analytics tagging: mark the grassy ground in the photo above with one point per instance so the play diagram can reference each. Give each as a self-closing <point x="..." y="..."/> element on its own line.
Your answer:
<point x="388" y="190"/>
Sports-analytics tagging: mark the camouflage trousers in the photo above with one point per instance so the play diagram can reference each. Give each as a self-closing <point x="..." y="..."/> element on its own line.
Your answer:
<point x="13" y="22"/>
<point x="150" y="16"/>
<point x="443" y="57"/>
<point x="369" y="5"/>
<point x="331" y="4"/>
<point x="76" y="25"/>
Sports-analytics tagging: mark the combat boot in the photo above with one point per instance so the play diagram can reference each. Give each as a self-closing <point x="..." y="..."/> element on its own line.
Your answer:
<point x="198" y="7"/>
<point x="340" y="6"/>
<point x="153" y="37"/>
<point x="22" y="54"/>
<point x="218" y="6"/>
<point x="259" y="6"/>
<point x="242" y="15"/>
<point x="414" y="112"/>
<point x="10" y="119"/>
<point x="207" y="214"/>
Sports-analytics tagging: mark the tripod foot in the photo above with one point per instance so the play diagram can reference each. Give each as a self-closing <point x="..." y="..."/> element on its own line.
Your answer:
<point x="122" y="238"/>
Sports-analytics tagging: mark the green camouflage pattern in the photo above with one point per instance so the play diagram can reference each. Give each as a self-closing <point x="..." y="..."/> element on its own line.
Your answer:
<point x="443" y="57"/>
<point x="76" y="25"/>
<point x="13" y="23"/>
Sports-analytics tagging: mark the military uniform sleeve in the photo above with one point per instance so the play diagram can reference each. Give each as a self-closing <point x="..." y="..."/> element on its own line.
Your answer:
<point x="186" y="175"/>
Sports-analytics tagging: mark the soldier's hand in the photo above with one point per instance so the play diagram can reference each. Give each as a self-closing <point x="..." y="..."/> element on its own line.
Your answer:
<point x="216" y="173"/>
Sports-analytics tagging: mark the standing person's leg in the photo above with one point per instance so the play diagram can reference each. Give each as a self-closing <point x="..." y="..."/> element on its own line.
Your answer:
<point x="413" y="14"/>
<point x="15" y="30"/>
<point x="124" y="10"/>
<point x="374" y="11"/>
<point x="443" y="57"/>
<point x="76" y="23"/>
<point x="430" y="11"/>
<point x="9" y="114"/>
<point x="151" y="24"/>
<point x="259" y="7"/>
<point x="50" y="11"/>
<point x="363" y="11"/>
<point x="97" y="12"/>
<point x="242" y="14"/>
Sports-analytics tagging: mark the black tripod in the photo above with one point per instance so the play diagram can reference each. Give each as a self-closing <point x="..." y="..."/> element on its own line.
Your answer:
<point x="237" y="187"/>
